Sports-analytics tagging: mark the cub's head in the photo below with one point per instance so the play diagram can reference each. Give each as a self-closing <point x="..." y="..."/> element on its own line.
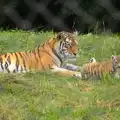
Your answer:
<point x="68" y="46"/>
<point x="116" y="65"/>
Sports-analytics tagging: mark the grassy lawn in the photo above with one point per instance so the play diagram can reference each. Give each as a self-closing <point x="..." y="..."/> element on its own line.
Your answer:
<point x="45" y="96"/>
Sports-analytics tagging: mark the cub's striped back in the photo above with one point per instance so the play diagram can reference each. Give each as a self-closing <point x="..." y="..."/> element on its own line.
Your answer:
<point x="96" y="70"/>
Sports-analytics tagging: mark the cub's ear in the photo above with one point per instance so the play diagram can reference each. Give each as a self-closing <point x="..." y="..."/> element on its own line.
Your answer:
<point x="92" y="60"/>
<point x="113" y="57"/>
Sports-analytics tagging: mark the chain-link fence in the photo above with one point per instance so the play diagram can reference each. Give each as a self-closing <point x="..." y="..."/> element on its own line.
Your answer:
<point x="82" y="15"/>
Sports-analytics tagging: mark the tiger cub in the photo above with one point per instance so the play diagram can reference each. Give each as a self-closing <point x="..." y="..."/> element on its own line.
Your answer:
<point x="96" y="70"/>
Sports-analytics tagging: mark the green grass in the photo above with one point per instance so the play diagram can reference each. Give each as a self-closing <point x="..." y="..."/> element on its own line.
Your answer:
<point x="46" y="96"/>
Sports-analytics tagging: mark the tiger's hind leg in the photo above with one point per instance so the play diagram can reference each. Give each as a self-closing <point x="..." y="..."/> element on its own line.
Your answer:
<point x="66" y="72"/>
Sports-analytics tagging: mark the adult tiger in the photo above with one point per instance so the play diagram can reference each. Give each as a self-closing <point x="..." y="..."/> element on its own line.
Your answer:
<point x="50" y="55"/>
<point x="96" y="70"/>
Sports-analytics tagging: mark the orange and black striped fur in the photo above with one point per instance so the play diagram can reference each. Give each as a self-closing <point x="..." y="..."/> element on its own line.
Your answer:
<point x="50" y="55"/>
<point x="95" y="70"/>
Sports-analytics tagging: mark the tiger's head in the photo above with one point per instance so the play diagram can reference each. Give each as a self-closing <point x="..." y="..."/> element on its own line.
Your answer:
<point x="116" y="65"/>
<point x="67" y="45"/>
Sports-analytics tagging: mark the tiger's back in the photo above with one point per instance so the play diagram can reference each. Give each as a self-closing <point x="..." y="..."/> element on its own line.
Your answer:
<point x="39" y="59"/>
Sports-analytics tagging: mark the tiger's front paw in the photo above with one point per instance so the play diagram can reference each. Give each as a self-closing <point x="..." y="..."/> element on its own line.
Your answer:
<point x="77" y="75"/>
<point x="72" y="67"/>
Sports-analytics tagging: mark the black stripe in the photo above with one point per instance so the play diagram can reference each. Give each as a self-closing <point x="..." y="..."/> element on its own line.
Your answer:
<point x="17" y="61"/>
<point x="5" y="55"/>
<point x="1" y="60"/>
<point x="9" y="60"/>
<point x="6" y="67"/>
<point x="38" y="49"/>
<point x="54" y="63"/>
<point x="49" y="66"/>
<point x="40" y="58"/>
<point x="27" y="59"/>
<point x="113" y="68"/>
<point x="23" y="60"/>
<point x="57" y="56"/>
<point x="34" y="53"/>
<point x="61" y="44"/>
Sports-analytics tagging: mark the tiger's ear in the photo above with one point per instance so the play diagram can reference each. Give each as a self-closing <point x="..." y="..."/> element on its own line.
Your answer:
<point x="59" y="35"/>
<point x="75" y="33"/>
<point x="92" y="60"/>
